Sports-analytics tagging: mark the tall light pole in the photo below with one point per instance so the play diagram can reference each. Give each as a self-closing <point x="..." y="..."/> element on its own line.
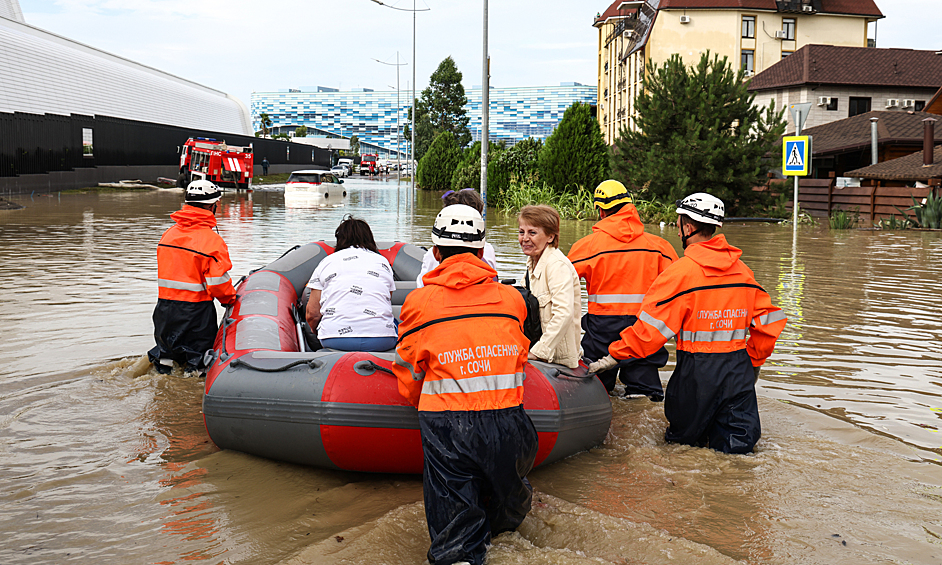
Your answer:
<point x="412" y="164"/>
<point x="397" y="64"/>
<point x="485" y="108"/>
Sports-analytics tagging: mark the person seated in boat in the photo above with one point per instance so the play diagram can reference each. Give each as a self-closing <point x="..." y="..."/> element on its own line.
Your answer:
<point x="351" y="290"/>
<point x="468" y="197"/>
<point x="554" y="282"/>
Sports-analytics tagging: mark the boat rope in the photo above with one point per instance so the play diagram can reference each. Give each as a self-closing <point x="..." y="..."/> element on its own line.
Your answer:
<point x="371" y="365"/>
<point x="312" y="363"/>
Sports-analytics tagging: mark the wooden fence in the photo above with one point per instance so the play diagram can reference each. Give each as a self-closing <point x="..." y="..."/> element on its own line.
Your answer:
<point x="820" y="197"/>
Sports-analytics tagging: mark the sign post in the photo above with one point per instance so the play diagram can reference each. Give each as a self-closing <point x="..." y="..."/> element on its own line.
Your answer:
<point x="799" y="114"/>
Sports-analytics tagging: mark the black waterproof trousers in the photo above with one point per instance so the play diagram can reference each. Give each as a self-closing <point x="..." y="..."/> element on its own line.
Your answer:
<point x="711" y="402"/>
<point x="184" y="331"/>
<point x="474" y="485"/>
<point x="640" y="376"/>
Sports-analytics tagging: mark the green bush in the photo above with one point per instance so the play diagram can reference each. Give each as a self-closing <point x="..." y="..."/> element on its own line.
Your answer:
<point x="468" y="172"/>
<point x="928" y="214"/>
<point x="437" y="167"/>
<point x="575" y="154"/>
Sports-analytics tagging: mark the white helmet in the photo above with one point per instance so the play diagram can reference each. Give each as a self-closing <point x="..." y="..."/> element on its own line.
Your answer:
<point x="702" y="207"/>
<point x="202" y="192"/>
<point x="458" y="226"/>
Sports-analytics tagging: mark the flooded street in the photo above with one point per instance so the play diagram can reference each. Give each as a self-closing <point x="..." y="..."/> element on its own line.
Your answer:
<point x="103" y="460"/>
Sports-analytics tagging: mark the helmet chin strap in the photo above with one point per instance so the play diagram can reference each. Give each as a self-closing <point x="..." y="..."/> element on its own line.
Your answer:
<point x="684" y="236"/>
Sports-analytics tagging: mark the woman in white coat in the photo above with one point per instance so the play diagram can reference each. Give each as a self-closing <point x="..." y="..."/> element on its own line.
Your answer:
<point x="554" y="283"/>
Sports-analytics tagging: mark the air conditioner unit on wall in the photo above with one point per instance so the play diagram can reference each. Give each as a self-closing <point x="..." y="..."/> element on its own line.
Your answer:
<point x="685" y="19"/>
<point x="892" y="102"/>
<point x="628" y="34"/>
<point x="909" y="103"/>
<point x="807" y="8"/>
<point x="781" y="34"/>
<point x="824" y="100"/>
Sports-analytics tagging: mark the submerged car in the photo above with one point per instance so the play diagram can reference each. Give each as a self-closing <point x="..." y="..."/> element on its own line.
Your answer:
<point x="315" y="183"/>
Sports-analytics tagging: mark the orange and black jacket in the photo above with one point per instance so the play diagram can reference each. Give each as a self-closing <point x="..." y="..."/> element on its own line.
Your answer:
<point x="461" y="343"/>
<point x="619" y="261"/>
<point x="193" y="261"/>
<point x="710" y="301"/>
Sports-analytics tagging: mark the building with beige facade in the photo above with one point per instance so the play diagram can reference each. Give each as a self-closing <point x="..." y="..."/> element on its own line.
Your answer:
<point x="752" y="34"/>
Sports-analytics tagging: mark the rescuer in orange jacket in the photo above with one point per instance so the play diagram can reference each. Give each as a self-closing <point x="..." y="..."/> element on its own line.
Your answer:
<point x="192" y="269"/>
<point x="725" y="326"/>
<point x="460" y="359"/>
<point x="619" y="261"/>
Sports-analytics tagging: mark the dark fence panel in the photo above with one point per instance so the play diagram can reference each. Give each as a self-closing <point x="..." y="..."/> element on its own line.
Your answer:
<point x="36" y="144"/>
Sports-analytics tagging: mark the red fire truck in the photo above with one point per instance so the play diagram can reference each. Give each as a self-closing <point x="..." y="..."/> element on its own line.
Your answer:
<point x="368" y="165"/>
<point x="225" y="165"/>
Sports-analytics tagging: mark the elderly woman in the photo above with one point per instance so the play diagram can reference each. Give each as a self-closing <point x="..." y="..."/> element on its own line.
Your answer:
<point x="554" y="282"/>
<point x="351" y="291"/>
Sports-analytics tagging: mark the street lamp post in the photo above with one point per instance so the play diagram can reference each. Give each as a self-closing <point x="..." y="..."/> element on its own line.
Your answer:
<point x="485" y="107"/>
<point x="412" y="164"/>
<point x="397" y="64"/>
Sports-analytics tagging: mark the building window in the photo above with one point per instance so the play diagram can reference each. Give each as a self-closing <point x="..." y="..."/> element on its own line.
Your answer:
<point x="88" y="142"/>
<point x="748" y="60"/>
<point x="749" y="27"/>
<point x="786" y="53"/>
<point x="832" y="105"/>
<point x="788" y="26"/>
<point x="858" y="106"/>
<point x="920" y="105"/>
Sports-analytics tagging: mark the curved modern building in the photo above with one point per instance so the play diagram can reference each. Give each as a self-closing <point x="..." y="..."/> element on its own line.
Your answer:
<point x="44" y="73"/>
<point x="72" y="115"/>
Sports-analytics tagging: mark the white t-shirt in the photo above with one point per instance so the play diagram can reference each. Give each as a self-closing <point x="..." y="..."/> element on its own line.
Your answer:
<point x="429" y="262"/>
<point x="355" y="302"/>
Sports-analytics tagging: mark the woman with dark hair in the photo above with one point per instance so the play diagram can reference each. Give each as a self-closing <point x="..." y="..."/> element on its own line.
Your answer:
<point x="351" y="289"/>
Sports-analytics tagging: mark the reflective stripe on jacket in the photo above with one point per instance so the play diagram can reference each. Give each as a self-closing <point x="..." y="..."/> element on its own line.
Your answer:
<point x="619" y="261"/>
<point x="461" y="342"/>
<point x="192" y="260"/>
<point x="711" y="303"/>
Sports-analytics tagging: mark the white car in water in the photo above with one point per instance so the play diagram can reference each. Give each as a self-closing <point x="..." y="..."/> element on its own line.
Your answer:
<point x="324" y="184"/>
<point x="340" y="170"/>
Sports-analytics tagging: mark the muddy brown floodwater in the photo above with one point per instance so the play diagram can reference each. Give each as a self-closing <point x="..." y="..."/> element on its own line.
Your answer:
<point x="104" y="461"/>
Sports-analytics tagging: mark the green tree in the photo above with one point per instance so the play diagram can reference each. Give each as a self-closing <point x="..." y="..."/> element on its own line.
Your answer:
<point x="424" y="132"/>
<point x="437" y="167"/>
<point x="698" y="131"/>
<point x="443" y="102"/>
<point x="300" y="131"/>
<point x="355" y="145"/>
<point x="265" y="122"/>
<point x="575" y="155"/>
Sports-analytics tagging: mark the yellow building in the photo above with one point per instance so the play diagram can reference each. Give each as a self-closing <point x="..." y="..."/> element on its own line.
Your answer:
<point x="752" y="34"/>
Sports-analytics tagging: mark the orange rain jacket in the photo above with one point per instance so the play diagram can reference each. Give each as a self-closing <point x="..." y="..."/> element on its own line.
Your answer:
<point x="461" y="343"/>
<point x="619" y="261"/>
<point x="192" y="260"/>
<point x="711" y="302"/>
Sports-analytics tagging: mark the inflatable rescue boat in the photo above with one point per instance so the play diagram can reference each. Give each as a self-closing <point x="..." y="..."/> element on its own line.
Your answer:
<point x="271" y="392"/>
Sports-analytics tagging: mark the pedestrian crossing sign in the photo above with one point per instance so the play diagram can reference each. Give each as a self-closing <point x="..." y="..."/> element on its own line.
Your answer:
<point x="796" y="156"/>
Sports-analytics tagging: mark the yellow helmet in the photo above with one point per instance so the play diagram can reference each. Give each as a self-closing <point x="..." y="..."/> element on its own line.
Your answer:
<point x="611" y="193"/>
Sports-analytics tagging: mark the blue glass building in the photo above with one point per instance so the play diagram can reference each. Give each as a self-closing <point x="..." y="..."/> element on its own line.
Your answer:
<point x="516" y="112"/>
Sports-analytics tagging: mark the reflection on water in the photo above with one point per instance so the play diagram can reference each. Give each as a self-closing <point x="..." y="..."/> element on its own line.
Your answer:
<point x="104" y="460"/>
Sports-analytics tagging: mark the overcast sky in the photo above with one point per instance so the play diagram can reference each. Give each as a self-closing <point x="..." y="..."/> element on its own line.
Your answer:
<point x="241" y="46"/>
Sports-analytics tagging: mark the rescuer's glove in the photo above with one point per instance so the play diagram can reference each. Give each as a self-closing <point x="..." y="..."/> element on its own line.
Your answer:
<point x="603" y="364"/>
<point x="756" y="370"/>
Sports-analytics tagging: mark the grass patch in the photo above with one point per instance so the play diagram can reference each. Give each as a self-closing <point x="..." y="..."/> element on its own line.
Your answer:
<point x="279" y="178"/>
<point x="577" y="205"/>
<point x="843" y="220"/>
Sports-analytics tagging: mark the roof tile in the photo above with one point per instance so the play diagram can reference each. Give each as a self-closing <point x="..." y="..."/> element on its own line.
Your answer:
<point x="908" y="168"/>
<point x="836" y="65"/>
<point x="854" y="133"/>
